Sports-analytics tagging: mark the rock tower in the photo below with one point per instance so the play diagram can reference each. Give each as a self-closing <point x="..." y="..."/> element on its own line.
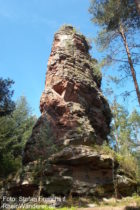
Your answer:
<point x="62" y="157"/>
<point x="73" y="108"/>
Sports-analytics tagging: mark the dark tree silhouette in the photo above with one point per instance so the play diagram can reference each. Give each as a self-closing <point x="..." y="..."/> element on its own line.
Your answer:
<point x="6" y="103"/>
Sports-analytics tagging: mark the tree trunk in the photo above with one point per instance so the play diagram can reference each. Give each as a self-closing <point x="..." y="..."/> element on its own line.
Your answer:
<point x="115" y="125"/>
<point x="137" y="2"/>
<point x="133" y="73"/>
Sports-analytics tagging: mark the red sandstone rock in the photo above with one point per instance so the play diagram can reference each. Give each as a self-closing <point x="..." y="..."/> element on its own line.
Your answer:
<point x="59" y="158"/>
<point x="72" y="101"/>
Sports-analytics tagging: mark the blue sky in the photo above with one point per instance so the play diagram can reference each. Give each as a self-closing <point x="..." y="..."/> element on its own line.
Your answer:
<point x="27" y="28"/>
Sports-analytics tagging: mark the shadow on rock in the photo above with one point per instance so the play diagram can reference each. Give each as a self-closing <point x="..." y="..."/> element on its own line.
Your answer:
<point x="132" y="208"/>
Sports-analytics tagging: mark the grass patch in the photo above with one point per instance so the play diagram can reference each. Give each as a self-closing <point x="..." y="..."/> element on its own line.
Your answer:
<point x="104" y="150"/>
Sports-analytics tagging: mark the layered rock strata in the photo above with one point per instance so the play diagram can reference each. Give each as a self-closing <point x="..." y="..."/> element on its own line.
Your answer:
<point x="73" y="107"/>
<point x="61" y="157"/>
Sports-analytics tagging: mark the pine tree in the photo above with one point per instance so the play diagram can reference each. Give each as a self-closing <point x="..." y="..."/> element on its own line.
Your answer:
<point x="6" y="103"/>
<point x="134" y="120"/>
<point x="15" y="129"/>
<point x="121" y="132"/>
<point x="118" y="20"/>
<point x="124" y="136"/>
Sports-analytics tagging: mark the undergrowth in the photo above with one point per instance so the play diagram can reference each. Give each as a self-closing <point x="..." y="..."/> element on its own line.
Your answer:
<point x="49" y="208"/>
<point x="126" y="162"/>
<point x="128" y="201"/>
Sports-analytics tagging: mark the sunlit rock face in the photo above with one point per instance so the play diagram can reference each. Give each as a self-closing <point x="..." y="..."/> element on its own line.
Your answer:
<point x="61" y="157"/>
<point x="72" y="104"/>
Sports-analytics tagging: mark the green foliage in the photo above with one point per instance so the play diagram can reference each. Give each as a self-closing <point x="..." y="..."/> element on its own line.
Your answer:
<point x="47" y="138"/>
<point x="106" y="149"/>
<point x="9" y="164"/>
<point x="51" y="208"/>
<point x="134" y="121"/>
<point x="117" y="21"/>
<point x="120" y="132"/>
<point x="14" y="132"/>
<point x="127" y="163"/>
<point x="124" y="138"/>
<point x="69" y="27"/>
<point x="100" y="191"/>
<point x="111" y="13"/>
<point x="6" y="103"/>
<point x="97" y="68"/>
<point x="73" y="31"/>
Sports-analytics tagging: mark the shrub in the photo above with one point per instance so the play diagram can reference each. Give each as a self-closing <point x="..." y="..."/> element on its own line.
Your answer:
<point x="127" y="163"/>
<point x="9" y="164"/>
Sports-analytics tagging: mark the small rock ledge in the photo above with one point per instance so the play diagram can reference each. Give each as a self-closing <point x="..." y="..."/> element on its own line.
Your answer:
<point x="59" y="158"/>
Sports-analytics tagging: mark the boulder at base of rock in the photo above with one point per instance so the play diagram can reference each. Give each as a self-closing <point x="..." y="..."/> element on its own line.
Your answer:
<point x="60" y="157"/>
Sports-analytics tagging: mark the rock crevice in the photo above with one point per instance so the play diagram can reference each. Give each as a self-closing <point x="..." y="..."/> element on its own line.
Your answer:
<point x="72" y="101"/>
<point x="75" y="116"/>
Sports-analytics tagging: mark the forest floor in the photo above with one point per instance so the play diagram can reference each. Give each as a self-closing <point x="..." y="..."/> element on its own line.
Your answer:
<point x="129" y="207"/>
<point x="130" y="203"/>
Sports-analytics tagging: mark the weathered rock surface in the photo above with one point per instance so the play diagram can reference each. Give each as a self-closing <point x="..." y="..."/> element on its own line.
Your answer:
<point x="72" y="102"/>
<point x="60" y="157"/>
